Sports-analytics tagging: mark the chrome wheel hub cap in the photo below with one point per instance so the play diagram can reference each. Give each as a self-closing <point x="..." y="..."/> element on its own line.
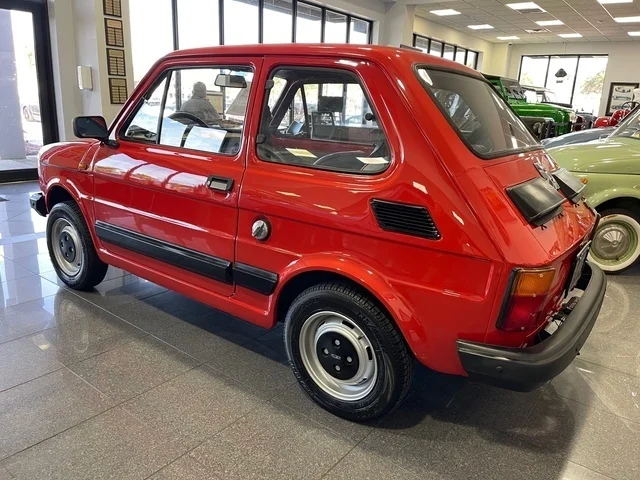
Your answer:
<point x="66" y="246"/>
<point x="611" y="242"/>
<point x="338" y="356"/>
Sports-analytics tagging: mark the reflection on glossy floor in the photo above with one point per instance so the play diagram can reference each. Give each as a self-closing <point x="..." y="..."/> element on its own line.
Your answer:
<point x="133" y="381"/>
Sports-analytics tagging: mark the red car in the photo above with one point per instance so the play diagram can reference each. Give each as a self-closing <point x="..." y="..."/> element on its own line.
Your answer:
<point x="435" y="227"/>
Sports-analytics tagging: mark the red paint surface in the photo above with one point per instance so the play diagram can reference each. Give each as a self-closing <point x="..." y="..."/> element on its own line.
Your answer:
<point x="436" y="291"/>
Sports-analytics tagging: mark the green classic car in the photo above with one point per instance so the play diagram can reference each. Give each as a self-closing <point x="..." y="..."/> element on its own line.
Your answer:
<point x="534" y="114"/>
<point x="610" y="168"/>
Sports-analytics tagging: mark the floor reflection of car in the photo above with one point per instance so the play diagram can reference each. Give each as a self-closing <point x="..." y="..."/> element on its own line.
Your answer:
<point x="31" y="112"/>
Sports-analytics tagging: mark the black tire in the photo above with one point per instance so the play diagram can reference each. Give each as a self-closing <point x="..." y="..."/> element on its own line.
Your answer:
<point x="91" y="270"/>
<point x="392" y="356"/>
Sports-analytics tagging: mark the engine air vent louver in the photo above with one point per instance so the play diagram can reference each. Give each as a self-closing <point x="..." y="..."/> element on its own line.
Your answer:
<point x="404" y="218"/>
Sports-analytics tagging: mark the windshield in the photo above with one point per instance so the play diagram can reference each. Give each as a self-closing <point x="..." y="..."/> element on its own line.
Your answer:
<point x="479" y="115"/>
<point x="514" y="90"/>
<point x="630" y="126"/>
<point x="549" y="96"/>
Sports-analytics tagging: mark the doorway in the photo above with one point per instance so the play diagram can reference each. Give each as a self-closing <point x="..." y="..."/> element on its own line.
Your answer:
<point x="27" y="105"/>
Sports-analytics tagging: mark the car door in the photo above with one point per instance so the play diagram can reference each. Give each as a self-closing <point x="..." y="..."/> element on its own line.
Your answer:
<point x="167" y="196"/>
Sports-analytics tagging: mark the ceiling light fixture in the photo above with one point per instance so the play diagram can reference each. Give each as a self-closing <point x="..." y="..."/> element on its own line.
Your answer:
<point x="480" y="27"/>
<point x="512" y="37"/>
<point x="446" y="12"/>
<point x="526" y="6"/>
<point x="611" y="2"/>
<point x="634" y="34"/>
<point x="627" y="19"/>
<point x="569" y="35"/>
<point x="549" y="23"/>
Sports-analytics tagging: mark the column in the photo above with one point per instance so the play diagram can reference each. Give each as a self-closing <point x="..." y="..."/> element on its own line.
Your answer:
<point x="11" y="135"/>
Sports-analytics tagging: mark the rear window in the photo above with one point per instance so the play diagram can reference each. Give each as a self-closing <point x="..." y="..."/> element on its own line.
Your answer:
<point x="479" y="115"/>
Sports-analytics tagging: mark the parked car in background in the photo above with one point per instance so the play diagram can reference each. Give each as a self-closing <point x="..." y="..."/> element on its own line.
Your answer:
<point x="582" y="136"/>
<point x="616" y="117"/>
<point x="584" y="120"/>
<point x="31" y="112"/>
<point x="545" y="120"/>
<point x="611" y="171"/>
<point x="370" y="254"/>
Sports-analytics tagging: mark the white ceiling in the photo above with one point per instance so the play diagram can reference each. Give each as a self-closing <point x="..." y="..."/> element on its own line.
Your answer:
<point x="587" y="17"/>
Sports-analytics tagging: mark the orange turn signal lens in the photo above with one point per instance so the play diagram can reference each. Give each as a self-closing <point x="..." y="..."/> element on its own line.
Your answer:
<point x="531" y="283"/>
<point x="584" y="180"/>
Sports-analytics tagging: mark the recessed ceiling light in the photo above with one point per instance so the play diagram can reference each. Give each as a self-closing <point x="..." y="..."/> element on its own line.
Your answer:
<point x="512" y="37"/>
<point x="634" y="34"/>
<point x="549" y="23"/>
<point x="569" y="35"/>
<point x="480" y="27"/>
<point x="627" y="19"/>
<point x="446" y="12"/>
<point x="528" y="6"/>
<point x="611" y="2"/>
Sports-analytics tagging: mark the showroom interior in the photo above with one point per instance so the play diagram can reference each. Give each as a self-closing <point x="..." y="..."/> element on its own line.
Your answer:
<point x="172" y="345"/>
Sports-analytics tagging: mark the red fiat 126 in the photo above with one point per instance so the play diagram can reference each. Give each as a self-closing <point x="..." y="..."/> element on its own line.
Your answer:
<point x="384" y="204"/>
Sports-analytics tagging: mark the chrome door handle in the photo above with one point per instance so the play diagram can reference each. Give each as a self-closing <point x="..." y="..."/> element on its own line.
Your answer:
<point x="220" y="184"/>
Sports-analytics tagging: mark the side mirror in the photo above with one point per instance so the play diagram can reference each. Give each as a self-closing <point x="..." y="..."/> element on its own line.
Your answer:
<point x="90" y="127"/>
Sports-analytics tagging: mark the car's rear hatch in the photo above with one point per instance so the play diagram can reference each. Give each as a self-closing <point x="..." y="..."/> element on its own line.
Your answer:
<point x="532" y="227"/>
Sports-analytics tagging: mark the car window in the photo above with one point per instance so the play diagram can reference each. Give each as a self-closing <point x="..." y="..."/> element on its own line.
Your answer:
<point x="322" y="119"/>
<point x="630" y="126"/>
<point x="205" y="109"/>
<point x="143" y="126"/>
<point x="479" y="115"/>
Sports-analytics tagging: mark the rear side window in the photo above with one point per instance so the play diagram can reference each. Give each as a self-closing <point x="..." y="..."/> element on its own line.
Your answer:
<point x="478" y="114"/>
<point x="321" y="118"/>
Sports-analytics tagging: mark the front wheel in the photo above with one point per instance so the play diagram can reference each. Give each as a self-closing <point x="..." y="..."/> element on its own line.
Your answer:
<point x="616" y="244"/>
<point x="346" y="352"/>
<point x="71" y="248"/>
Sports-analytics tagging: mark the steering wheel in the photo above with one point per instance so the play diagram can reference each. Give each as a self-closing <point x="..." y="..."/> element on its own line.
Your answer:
<point x="188" y="116"/>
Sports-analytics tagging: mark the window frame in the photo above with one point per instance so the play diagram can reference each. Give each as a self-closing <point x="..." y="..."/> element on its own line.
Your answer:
<point x="292" y="87"/>
<point x="575" y="75"/>
<point x="324" y="9"/>
<point x="456" y="49"/>
<point x="492" y="156"/>
<point x="167" y="74"/>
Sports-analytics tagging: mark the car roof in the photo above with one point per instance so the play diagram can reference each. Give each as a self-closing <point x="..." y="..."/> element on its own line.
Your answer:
<point x="377" y="53"/>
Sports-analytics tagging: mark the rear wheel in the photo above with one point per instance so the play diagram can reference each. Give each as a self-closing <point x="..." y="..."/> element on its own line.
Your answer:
<point x="71" y="248"/>
<point x="616" y="244"/>
<point x="346" y="352"/>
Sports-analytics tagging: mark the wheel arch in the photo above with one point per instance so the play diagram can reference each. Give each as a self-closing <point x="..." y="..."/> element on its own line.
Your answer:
<point x="631" y="203"/>
<point x="359" y="277"/>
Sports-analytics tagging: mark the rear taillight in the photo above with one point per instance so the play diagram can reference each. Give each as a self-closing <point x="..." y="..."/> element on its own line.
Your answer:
<point x="526" y="297"/>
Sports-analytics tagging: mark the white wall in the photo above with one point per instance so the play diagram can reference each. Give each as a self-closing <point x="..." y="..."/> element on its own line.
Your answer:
<point x="623" y="66"/>
<point x="424" y="27"/>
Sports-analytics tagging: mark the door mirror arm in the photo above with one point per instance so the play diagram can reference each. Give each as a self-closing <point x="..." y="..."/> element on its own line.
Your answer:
<point x="110" y="143"/>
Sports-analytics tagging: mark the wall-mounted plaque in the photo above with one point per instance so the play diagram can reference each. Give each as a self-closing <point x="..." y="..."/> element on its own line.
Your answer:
<point x="114" y="33"/>
<point x="112" y="7"/>
<point x="115" y="62"/>
<point x="118" y="90"/>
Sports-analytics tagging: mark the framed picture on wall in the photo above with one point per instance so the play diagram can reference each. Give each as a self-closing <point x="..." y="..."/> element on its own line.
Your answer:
<point x="619" y="94"/>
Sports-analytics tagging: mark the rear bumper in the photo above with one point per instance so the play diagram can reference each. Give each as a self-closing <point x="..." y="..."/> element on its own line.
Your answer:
<point x="38" y="203"/>
<point x="524" y="369"/>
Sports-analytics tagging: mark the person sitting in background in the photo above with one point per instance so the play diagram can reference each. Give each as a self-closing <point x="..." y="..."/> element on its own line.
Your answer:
<point x="200" y="106"/>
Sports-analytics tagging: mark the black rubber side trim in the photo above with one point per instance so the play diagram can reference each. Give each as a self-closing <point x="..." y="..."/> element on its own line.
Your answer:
<point x="256" y="279"/>
<point x="191" y="260"/>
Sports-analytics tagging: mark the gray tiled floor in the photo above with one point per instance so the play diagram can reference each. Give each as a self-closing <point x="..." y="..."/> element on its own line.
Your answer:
<point x="132" y="381"/>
